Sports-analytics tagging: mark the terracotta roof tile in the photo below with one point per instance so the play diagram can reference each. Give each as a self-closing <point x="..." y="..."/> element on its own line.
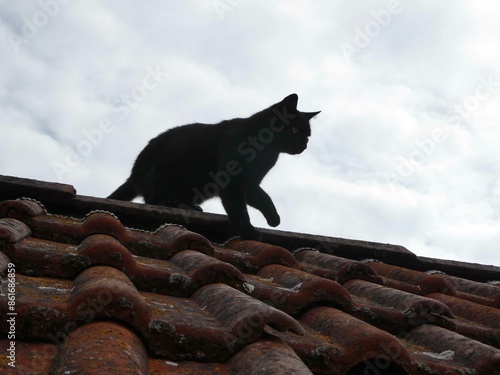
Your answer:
<point x="359" y="342"/>
<point x="476" y="321"/>
<point x="255" y="255"/>
<point x="267" y="356"/>
<point x="335" y="268"/>
<point x="93" y="295"/>
<point x="110" y="348"/>
<point x="162" y="244"/>
<point x="30" y="357"/>
<point x="408" y="304"/>
<point x="292" y="290"/>
<point x="452" y="348"/>
<point x="482" y="293"/>
<point x="412" y="281"/>
<point x="186" y="271"/>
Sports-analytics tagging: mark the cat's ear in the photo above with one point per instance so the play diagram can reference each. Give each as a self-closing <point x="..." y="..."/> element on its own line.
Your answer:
<point x="310" y="115"/>
<point x="291" y="102"/>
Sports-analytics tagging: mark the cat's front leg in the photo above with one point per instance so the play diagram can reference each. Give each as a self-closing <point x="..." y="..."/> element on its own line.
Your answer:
<point x="259" y="199"/>
<point x="236" y="209"/>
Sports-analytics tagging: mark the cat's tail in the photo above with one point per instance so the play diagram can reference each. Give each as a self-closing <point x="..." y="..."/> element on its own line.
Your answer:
<point x="125" y="192"/>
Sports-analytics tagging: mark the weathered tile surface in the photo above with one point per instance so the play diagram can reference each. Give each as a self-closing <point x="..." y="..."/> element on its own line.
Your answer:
<point x="93" y="295"/>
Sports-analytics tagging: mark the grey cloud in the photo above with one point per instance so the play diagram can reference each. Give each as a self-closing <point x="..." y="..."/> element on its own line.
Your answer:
<point x="380" y="108"/>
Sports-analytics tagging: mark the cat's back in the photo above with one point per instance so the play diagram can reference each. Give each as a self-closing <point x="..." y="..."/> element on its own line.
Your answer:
<point x="183" y="133"/>
<point x="196" y="133"/>
<point x="199" y="137"/>
<point x="199" y="146"/>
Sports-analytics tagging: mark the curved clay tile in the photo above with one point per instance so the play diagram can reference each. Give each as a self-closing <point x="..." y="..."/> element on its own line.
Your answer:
<point x="111" y="295"/>
<point x="477" y="321"/>
<point x="413" y="281"/>
<point x="267" y="357"/>
<point x="395" y="310"/>
<point x="110" y="348"/>
<point x="359" y="342"/>
<point x="334" y="267"/>
<point x="296" y="290"/>
<point x="446" y="345"/>
<point x="13" y="230"/>
<point x="103" y="249"/>
<point x="474" y="291"/>
<point x="261" y="254"/>
<point x="20" y="208"/>
<point x="243" y="315"/>
<point x="203" y="270"/>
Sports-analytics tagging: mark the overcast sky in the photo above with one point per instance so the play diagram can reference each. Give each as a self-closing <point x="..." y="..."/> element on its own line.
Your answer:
<point x="405" y="150"/>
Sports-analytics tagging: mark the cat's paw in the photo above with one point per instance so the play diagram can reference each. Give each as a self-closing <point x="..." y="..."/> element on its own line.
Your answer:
<point x="274" y="220"/>
<point x="250" y="233"/>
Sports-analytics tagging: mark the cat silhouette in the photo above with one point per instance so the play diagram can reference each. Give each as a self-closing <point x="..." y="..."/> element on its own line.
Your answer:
<point x="186" y="165"/>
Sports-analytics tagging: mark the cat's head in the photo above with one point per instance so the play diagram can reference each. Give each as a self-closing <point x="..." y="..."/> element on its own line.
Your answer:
<point x="291" y="125"/>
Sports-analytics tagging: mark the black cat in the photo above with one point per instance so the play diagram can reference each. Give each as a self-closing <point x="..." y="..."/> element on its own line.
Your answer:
<point x="189" y="164"/>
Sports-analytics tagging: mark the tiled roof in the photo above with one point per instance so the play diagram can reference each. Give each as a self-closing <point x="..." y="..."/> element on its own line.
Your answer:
<point x="175" y="296"/>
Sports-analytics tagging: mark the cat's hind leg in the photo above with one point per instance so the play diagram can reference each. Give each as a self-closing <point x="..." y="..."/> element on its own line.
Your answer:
<point x="126" y="192"/>
<point x="236" y="210"/>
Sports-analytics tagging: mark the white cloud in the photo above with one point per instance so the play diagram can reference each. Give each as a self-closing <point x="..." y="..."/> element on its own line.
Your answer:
<point x="375" y="169"/>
